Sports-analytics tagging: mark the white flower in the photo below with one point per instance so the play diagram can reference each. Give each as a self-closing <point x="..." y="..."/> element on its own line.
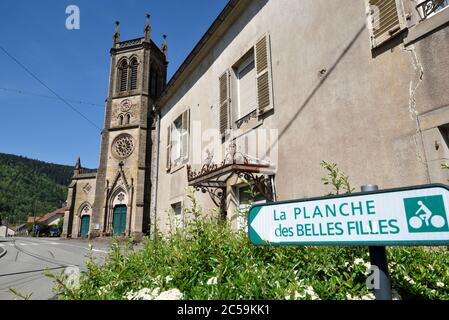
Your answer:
<point x="359" y="261"/>
<point x="102" y="290"/>
<point x="368" y="268"/>
<point x="409" y="280"/>
<point x="349" y="297"/>
<point x="212" y="281"/>
<point x="143" y="294"/>
<point x="431" y="267"/>
<point x="307" y="292"/>
<point x="440" y="284"/>
<point x="172" y="294"/>
<point x="296" y="296"/>
<point x="311" y="292"/>
<point x="395" y="295"/>
<point x="368" y="296"/>
<point x="72" y="280"/>
<point x="168" y="278"/>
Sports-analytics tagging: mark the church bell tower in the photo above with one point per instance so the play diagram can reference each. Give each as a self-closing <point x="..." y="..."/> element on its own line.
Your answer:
<point x="138" y="74"/>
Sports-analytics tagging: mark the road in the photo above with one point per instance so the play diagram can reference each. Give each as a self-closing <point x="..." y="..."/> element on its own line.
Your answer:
<point x="27" y="259"/>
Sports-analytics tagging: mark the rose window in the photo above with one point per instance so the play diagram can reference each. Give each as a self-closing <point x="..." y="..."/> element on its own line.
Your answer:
<point x="123" y="146"/>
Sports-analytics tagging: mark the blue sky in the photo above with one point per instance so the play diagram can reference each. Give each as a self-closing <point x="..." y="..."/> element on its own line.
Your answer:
<point x="75" y="64"/>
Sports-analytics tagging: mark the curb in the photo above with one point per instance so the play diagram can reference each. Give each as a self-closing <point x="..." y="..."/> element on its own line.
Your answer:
<point x="2" y="252"/>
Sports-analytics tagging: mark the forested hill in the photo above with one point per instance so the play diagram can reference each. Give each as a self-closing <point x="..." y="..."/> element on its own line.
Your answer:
<point x="26" y="184"/>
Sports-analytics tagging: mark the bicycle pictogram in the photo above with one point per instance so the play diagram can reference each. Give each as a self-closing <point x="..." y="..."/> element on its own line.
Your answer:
<point x="425" y="216"/>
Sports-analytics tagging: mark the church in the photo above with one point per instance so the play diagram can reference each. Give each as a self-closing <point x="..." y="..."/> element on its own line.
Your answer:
<point x="271" y="90"/>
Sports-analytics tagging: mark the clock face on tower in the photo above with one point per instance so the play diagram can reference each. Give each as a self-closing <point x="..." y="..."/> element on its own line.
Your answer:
<point x="126" y="105"/>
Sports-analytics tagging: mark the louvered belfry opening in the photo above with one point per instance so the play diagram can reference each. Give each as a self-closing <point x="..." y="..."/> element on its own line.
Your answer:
<point x="124" y="76"/>
<point x="134" y="68"/>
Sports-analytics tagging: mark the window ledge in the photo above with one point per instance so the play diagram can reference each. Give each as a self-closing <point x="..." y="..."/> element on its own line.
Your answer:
<point x="427" y="26"/>
<point x="177" y="167"/>
<point x="247" y="123"/>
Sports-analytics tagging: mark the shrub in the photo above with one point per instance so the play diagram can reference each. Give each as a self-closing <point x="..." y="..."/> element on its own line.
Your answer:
<point x="208" y="260"/>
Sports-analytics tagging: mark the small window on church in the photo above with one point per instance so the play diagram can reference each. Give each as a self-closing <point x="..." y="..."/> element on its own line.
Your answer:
<point x="128" y="118"/>
<point x="123" y="72"/>
<point x="120" y="120"/>
<point x="153" y="82"/>
<point x="134" y="68"/>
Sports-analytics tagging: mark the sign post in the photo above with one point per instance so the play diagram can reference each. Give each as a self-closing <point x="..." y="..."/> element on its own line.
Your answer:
<point x="376" y="218"/>
<point x="378" y="258"/>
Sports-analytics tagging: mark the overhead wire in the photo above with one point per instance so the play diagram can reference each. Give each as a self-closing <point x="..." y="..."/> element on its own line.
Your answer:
<point x="48" y="88"/>
<point x="23" y="92"/>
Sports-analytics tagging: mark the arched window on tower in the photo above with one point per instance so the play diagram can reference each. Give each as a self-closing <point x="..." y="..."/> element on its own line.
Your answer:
<point x="154" y="85"/>
<point x="128" y="118"/>
<point x="123" y="76"/>
<point x="120" y="120"/>
<point x="134" y="69"/>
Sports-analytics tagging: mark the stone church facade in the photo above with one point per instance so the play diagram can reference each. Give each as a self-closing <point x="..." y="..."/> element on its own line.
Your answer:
<point x="271" y="90"/>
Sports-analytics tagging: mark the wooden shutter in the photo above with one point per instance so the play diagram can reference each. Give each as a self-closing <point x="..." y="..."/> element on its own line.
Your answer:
<point x="169" y="145"/>
<point x="185" y="134"/>
<point x="263" y="75"/>
<point x="386" y="20"/>
<point x="224" y="102"/>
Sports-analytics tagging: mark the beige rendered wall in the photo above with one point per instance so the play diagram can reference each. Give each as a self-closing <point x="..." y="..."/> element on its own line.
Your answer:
<point x="333" y="99"/>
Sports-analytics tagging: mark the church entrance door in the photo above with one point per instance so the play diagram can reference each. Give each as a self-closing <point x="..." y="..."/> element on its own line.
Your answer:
<point x="119" y="220"/>
<point x="85" y="222"/>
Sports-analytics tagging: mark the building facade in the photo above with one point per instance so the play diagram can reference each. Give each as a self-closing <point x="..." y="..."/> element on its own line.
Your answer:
<point x="272" y="89"/>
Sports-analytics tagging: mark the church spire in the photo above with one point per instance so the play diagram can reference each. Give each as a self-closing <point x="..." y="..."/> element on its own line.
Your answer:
<point x="147" y="30"/>
<point x="164" y="47"/>
<point x="117" y="33"/>
<point x="77" y="169"/>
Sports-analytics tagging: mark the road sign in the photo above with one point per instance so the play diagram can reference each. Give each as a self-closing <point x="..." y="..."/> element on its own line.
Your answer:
<point x="405" y="216"/>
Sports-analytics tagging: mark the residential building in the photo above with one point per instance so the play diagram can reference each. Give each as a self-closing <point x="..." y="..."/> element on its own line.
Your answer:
<point x="272" y="89"/>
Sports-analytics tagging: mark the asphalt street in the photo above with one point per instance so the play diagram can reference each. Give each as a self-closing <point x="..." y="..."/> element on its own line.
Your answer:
<point x="26" y="260"/>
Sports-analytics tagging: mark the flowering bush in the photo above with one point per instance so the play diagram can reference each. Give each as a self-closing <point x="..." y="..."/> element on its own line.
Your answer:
<point x="208" y="260"/>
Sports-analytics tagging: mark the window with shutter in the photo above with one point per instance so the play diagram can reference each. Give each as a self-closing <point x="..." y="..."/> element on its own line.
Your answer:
<point x="224" y="102"/>
<point x="386" y="20"/>
<point x="134" y="69"/>
<point x="246" y="87"/>
<point x="169" y="145"/>
<point x="263" y="76"/>
<point x="428" y="8"/>
<point x="185" y="133"/>
<point x="123" y="76"/>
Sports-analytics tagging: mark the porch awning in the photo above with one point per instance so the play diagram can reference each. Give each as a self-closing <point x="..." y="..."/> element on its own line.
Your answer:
<point x="214" y="176"/>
